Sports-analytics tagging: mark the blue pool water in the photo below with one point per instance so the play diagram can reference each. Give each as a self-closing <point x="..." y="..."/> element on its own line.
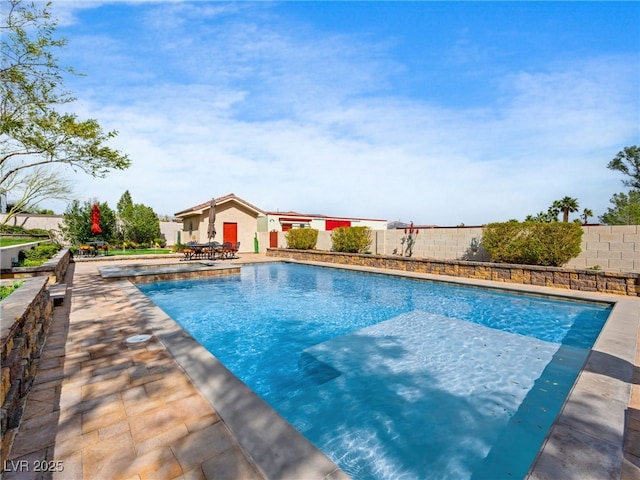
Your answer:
<point x="392" y="377"/>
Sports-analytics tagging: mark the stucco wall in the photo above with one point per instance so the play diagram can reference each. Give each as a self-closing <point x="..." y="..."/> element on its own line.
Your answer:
<point x="231" y="213"/>
<point x="47" y="222"/>
<point x="170" y="231"/>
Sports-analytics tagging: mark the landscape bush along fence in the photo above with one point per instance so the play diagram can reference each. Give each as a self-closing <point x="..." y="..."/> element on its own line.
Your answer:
<point x="302" y="238"/>
<point x="26" y="315"/>
<point x="569" y="278"/>
<point x="351" y="239"/>
<point x="532" y="243"/>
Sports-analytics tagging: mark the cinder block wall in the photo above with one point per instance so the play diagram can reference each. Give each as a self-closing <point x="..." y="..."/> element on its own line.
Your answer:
<point x="609" y="248"/>
<point x="615" y="248"/>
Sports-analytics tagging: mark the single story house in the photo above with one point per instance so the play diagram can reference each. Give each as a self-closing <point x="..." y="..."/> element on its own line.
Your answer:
<point x="236" y="221"/>
<point x="239" y="221"/>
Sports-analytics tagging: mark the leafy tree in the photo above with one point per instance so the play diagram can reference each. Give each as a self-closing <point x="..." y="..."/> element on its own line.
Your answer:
<point x="144" y="226"/>
<point x="76" y="225"/>
<point x="625" y="210"/>
<point x="33" y="187"/>
<point x="138" y="223"/>
<point x="566" y="205"/>
<point x="627" y="161"/>
<point x="33" y="132"/>
<point x="73" y="227"/>
<point x="626" y="207"/>
<point x="125" y="214"/>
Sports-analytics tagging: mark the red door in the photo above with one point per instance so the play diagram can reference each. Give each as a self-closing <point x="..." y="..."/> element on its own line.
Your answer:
<point x="273" y="239"/>
<point x="229" y="232"/>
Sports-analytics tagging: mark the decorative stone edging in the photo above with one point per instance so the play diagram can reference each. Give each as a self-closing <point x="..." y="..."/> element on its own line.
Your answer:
<point x="569" y="278"/>
<point x="26" y="315"/>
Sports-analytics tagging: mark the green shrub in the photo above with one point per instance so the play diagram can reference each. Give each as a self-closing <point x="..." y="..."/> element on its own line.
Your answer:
<point x="302" y="238"/>
<point x="6" y="290"/>
<point x="351" y="239"/>
<point x="532" y="243"/>
<point x="37" y="255"/>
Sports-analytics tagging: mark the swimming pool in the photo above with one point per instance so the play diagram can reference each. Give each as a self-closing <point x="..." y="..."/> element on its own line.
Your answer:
<point x="394" y="377"/>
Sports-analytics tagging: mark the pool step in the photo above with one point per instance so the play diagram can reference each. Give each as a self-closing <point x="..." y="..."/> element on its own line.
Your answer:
<point x="317" y="370"/>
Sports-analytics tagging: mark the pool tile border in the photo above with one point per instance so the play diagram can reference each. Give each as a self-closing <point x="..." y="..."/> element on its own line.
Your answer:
<point x="586" y="440"/>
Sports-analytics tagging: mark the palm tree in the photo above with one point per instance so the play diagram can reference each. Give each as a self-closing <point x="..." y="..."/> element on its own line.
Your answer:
<point x="586" y="213"/>
<point x="553" y="211"/>
<point x="566" y="205"/>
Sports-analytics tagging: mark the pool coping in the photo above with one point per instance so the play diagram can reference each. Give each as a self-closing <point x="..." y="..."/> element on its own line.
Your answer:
<point x="276" y="449"/>
<point x="162" y="272"/>
<point x="585" y="441"/>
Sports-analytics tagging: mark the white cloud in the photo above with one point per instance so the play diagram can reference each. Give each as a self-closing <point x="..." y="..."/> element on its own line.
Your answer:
<point x="293" y="120"/>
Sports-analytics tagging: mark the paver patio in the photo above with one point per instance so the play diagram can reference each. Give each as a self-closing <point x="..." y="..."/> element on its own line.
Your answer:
<point x="103" y="409"/>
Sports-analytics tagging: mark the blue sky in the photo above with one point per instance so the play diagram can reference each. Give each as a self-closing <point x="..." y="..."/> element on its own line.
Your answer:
<point x="436" y="112"/>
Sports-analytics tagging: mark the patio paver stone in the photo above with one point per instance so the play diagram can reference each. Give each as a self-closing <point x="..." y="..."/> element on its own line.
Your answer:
<point x="106" y="410"/>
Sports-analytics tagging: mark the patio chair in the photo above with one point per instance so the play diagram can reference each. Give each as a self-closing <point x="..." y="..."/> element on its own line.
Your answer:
<point x="234" y="249"/>
<point x="210" y="250"/>
<point x="189" y="251"/>
<point x="226" y="250"/>
<point x="217" y="250"/>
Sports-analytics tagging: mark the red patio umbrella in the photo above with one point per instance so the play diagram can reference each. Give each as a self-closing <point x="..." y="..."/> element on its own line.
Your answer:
<point x="95" y="220"/>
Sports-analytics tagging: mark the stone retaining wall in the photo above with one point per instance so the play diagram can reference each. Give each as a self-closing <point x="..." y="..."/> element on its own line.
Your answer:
<point x="26" y="315"/>
<point x="558" y="277"/>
